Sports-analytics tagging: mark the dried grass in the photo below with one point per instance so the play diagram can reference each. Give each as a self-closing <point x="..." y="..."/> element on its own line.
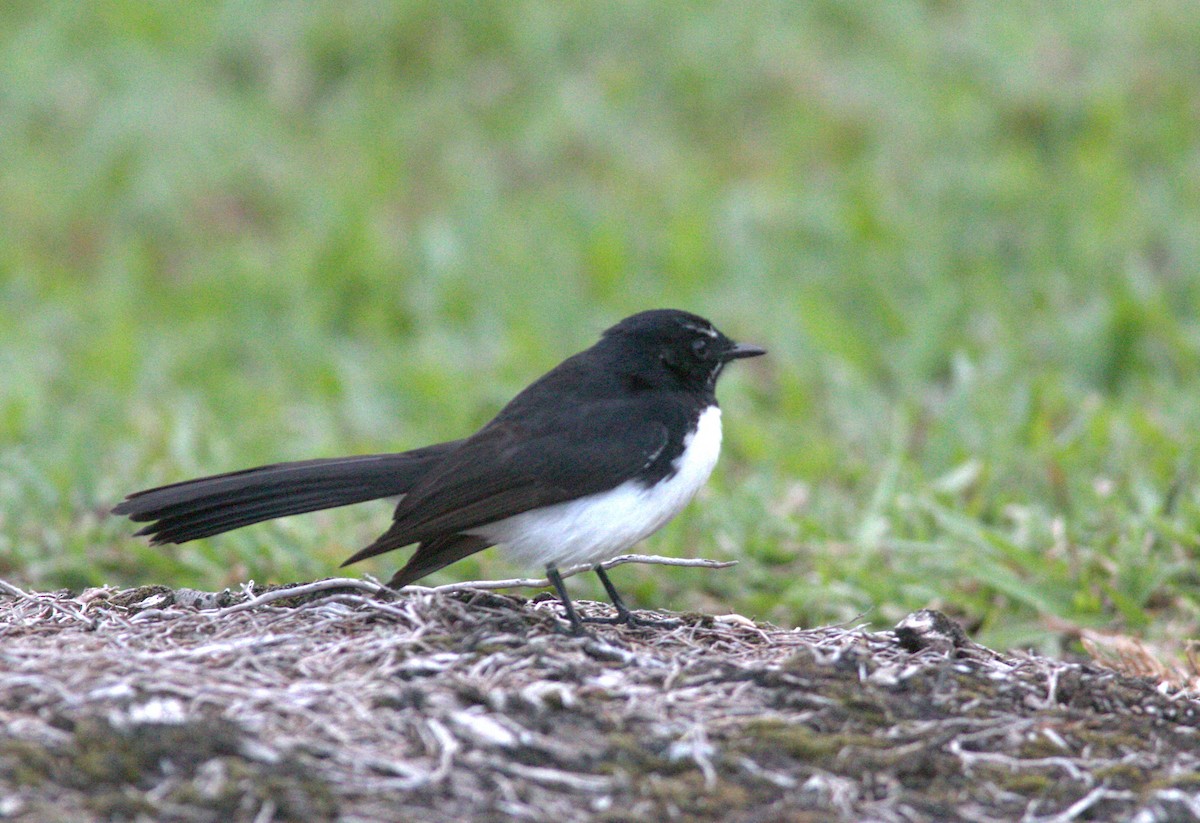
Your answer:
<point x="469" y="705"/>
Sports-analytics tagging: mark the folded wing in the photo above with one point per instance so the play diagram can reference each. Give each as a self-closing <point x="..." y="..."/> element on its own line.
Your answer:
<point x="510" y="467"/>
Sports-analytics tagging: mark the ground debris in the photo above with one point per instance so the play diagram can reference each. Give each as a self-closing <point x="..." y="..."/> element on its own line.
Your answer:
<point x="149" y="704"/>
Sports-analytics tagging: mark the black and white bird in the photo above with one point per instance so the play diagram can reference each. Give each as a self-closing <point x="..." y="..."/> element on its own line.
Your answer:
<point x="591" y="458"/>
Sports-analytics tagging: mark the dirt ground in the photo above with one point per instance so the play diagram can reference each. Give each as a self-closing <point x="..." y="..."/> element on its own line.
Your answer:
<point x="151" y="704"/>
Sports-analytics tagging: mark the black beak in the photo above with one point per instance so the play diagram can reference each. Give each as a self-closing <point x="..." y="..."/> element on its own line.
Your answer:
<point x="739" y="350"/>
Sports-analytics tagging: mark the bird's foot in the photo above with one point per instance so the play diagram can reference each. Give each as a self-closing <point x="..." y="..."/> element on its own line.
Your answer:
<point x="625" y="617"/>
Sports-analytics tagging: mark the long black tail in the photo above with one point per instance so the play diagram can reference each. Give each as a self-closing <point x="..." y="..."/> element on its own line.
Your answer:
<point x="210" y="505"/>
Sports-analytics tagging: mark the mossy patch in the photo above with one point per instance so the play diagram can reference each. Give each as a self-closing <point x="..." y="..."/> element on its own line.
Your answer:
<point x="137" y="771"/>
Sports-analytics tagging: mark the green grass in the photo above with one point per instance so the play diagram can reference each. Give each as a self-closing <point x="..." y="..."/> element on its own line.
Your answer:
<point x="239" y="233"/>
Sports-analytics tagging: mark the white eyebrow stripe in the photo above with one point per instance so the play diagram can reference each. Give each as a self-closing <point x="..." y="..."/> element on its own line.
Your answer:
<point x="711" y="332"/>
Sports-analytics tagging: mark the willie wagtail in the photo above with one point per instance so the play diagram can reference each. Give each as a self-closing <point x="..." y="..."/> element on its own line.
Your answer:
<point x="594" y="456"/>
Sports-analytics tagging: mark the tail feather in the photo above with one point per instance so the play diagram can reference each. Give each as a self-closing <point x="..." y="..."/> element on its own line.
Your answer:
<point x="206" y="506"/>
<point x="217" y="518"/>
<point x="434" y="554"/>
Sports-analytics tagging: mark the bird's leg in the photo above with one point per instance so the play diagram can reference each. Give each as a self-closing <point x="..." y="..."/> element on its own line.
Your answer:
<point x="556" y="579"/>
<point x="624" y="613"/>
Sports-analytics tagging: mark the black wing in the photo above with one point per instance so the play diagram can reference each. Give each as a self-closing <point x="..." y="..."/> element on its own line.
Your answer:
<point x="514" y="465"/>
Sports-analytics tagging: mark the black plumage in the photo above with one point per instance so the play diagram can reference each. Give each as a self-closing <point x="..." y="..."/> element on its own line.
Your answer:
<point x="621" y="411"/>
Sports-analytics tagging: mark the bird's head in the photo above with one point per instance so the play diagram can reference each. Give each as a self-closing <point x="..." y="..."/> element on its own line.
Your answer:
<point x="677" y="346"/>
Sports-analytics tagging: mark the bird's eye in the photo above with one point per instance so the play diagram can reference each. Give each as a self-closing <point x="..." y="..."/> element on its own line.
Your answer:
<point x="700" y="347"/>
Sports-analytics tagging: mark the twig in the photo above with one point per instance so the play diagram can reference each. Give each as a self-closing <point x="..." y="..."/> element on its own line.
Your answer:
<point x="300" y="591"/>
<point x="542" y="582"/>
<point x="582" y="783"/>
<point x="1076" y="809"/>
<point x="48" y="601"/>
<point x="373" y="587"/>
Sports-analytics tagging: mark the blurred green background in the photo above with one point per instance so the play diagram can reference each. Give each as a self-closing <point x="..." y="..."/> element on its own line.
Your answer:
<point x="244" y="232"/>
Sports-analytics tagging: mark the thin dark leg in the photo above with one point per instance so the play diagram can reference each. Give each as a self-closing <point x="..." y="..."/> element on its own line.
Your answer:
<point x="556" y="579"/>
<point x="624" y="615"/>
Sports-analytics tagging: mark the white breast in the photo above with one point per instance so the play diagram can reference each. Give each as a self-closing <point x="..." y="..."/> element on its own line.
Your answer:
<point x="600" y="526"/>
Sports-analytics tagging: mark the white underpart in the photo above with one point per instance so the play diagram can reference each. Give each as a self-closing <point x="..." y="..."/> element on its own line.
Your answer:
<point x="595" y="528"/>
